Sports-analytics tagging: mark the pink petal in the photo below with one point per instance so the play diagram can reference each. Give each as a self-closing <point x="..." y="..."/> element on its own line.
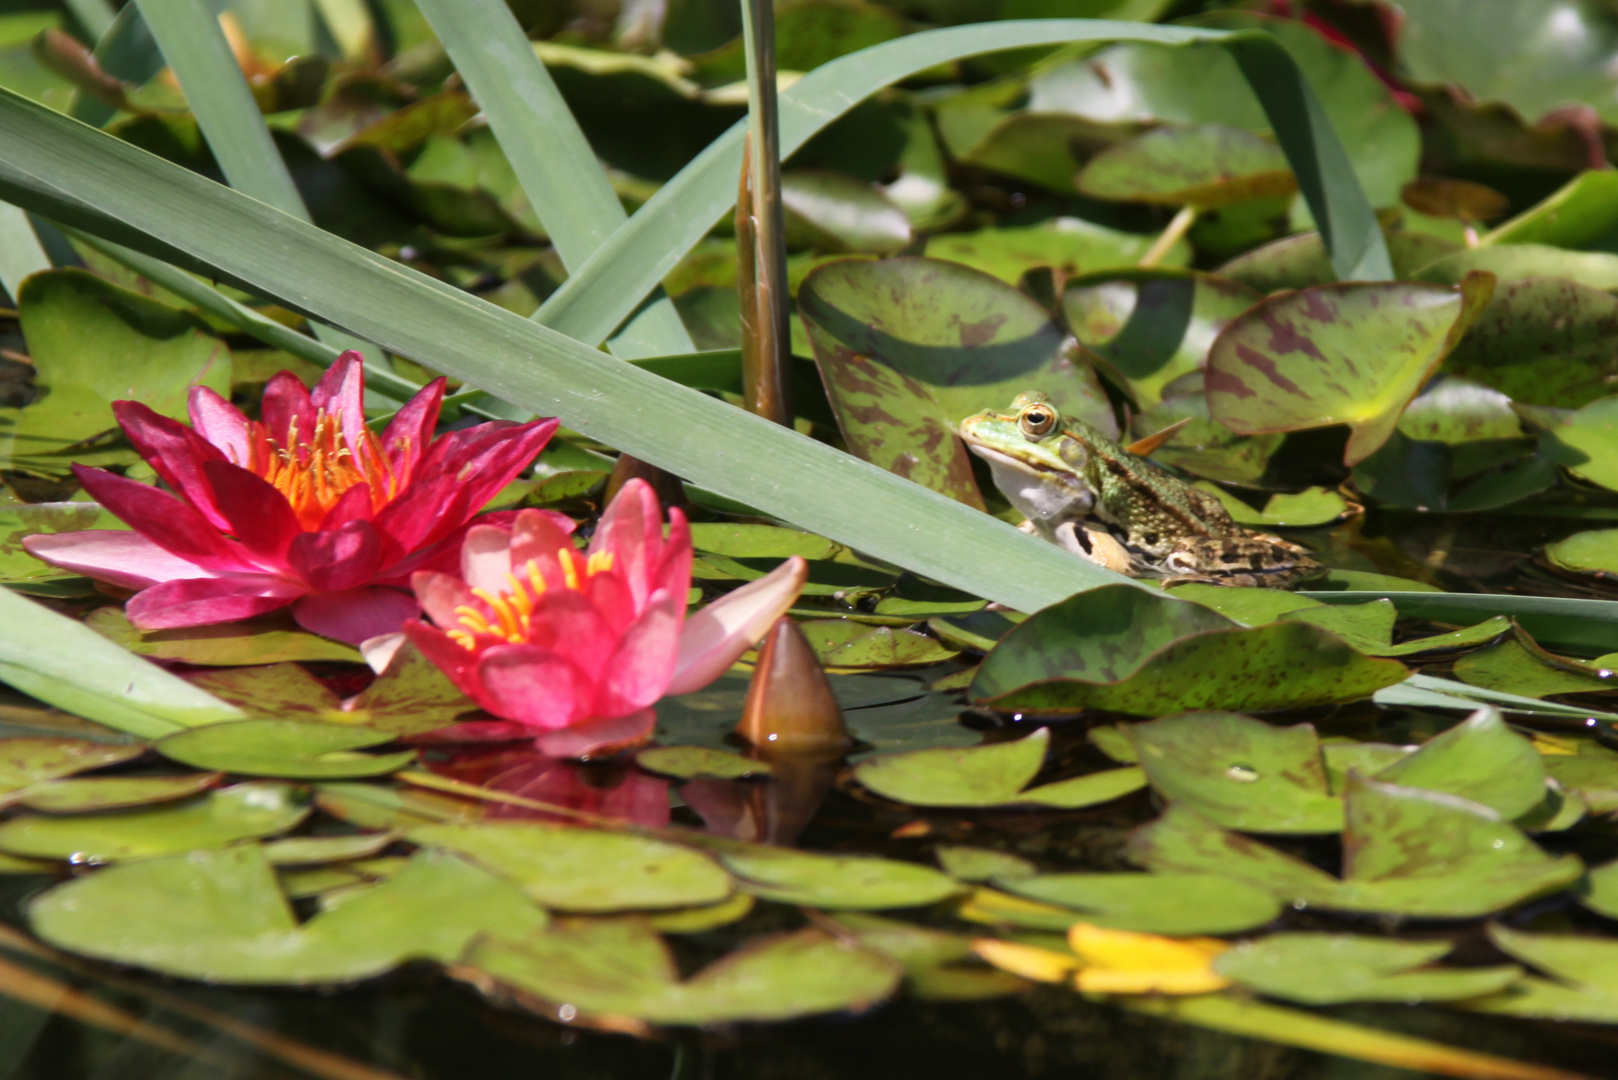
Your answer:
<point x="536" y="537"/>
<point x="285" y="402"/>
<point x="333" y="561"/>
<point x="355" y="614"/>
<point x="439" y="596"/>
<point x="353" y="505"/>
<point x="222" y="424"/>
<point x="254" y="511"/>
<point x="567" y="624"/>
<point x="443" y="556"/>
<point x="471" y="731"/>
<point x="639" y="670"/>
<point x="341" y="394"/>
<point x="714" y="637"/>
<point x="203" y="602"/>
<point x="598" y="737"/>
<point x="410" y="432"/>
<point x="632" y="530"/>
<point x="486" y="558"/>
<point x="533" y="686"/>
<point x="675" y="573"/>
<point x="115" y="556"/>
<point x="457" y="663"/>
<point x="165" y="520"/>
<point x="610" y="595"/>
<point x="176" y="453"/>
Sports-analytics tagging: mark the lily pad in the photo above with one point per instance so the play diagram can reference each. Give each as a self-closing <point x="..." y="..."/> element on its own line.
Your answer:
<point x="698" y="920"/>
<point x="240" y="812"/>
<point x="1284" y="510"/>
<point x="1522" y="262"/>
<point x="1511" y="667"/>
<point x="981" y="864"/>
<point x="1583" y="983"/>
<point x="1153" y="903"/>
<point x="1300" y="261"/>
<point x="296" y="749"/>
<point x="1599" y="890"/>
<point x="113" y="793"/>
<point x="1581" y="214"/>
<point x="690" y="762"/>
<point x="992" y="775"/>
<point x="1587" y="443"/>
<point x="1337" y="354"/>
<point x="1204" y="166"/>
<point x="1543" y="341"/>
<point x="1124" y="649"/>
<point x="835" y="882"/>
<point x="1072" y="245"/>
<point x="1593" y="552"/>
<point x="219" y="916"/>
<point x="1205" y="447"/>
<point x="314" y="850"/>
<point x="622" y="968"/>
<point x="844" y="646"/>
<point x="1331" y="969"/>
<point x="909" y="347"/>
<point x="28" y="761"/>
<point x="585" y="869"/>
<point x="832" y="211"/>
<point x="259" y="641"/>
<point x="1480" y="759"/>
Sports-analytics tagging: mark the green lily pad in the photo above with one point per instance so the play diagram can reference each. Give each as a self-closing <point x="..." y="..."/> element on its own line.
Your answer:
<point x="690" y="762"/>
<point x="1128" y="650"/>
<point x="1285" y="510"/>
<point x="1453" y="640"/>
<point x="31" y="519"/>
<point x="1300" y="261"/>
<point x="219" y="916"/>
<point x="1599" y="890"/>
<point x="1240" y="773"/>
<point x="932" y="959"/>
<point x="1544" y="341"/>
<point x="1337" y="354"/>
<point x="274" y="640"/>
<point x="835" y="212"/>
<point x="312" y="850"/>
<point x="113" y="793"/>
<point x="240" y="812"/>
<point x="1593" y="552"/>
<point x="1592" y="775"/>
<point x="762" y="541"/>
<point x="1480" y="759"/>
<point x="1205" y="166"/>
<point x="835" y="882"/>
<point x="1205" y="447"/>
<point x="1153" y="903"/>
<point x="909" y="347"/>
<point x="698" y="920"/>
<point x="622" y="968"/>
<point x="1583" y="982"/>
<point x="843" y="645"/>
<point x="28" y="761"/>
<point x="1521" y="262"/>
<point x="279" y="690"/>
<point x="73" y="321"/>
<point x="1581" y="214"/>
<point x="1046" y="148"/>
<point x="296" y="749"/>
<point x="1511" y="667"/>
<point x="981" y="864"/>
<point x="1152" y="325"/>
<point x="1331" y="969"/>
<point x="585" y="869"/>
<point x="992" y="775"/>
<point x="1587" y="443"/>
<point x="1071" y="245"/>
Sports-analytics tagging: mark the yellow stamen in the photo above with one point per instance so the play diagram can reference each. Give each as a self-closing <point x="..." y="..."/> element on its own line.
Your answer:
<point x="314" y="472"/>
<point x="512" y="612"/>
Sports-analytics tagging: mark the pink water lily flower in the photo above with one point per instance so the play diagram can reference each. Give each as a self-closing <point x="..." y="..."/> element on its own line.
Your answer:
<point x="576" y="647"/>
<point x="305" y="507"/>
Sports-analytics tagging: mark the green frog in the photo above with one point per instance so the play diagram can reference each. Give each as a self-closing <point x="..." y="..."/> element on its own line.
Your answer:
<point x="1083" y="491"/>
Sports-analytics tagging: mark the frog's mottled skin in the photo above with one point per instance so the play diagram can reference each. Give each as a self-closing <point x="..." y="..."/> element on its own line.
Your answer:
<point x="1084" y="491"/>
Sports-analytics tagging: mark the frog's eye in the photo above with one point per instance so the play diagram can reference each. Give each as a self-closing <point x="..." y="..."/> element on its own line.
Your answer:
<point x="1037" y="420"/>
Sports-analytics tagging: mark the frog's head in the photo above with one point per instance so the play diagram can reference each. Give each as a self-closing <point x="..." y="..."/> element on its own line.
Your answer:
<point x="1038" y="457"/>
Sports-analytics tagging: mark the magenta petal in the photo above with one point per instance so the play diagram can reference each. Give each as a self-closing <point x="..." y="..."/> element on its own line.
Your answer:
<point x="537" y="537"/>
<point x="461" y="473"/>
<point x="341" y="394"/>
<point x="566" y="623"/>
<point x="254" y="511"/>
<point x="640" y="667"/>
<point x="353" y="505"/>
<point x="534" y="686"/>
<point x="410" y="432"/>
<point x="221" y="424"/>
<point x="176" y="453"/>
<point x="675" y="573"/>
<point x="333" y="561"/>
<point x="714" y="637"/>
<point x="115" y="556"/>
<point x="355" y="614"/>
<point x="589" y="737"/>
<point x="165" y="520"/>
<point x="426" y="512"/>
<point x="486" y="558"/>
<point x="206" y="601"/>
<point x="286" y="402"/>
<point x="439" y="596"/>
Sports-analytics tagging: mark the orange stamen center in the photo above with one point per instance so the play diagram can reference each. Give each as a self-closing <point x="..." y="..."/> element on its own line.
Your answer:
<point x="510" y="613"/>
<point x="316" y="470"/>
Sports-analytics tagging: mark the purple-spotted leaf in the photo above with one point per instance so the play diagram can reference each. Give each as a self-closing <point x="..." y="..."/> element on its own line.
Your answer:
<point x="1205" y="166"/>
<point x="908" y="347"/>
<point x="1350" y="354"/>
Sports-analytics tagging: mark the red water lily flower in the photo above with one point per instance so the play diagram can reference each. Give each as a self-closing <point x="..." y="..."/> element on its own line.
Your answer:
<point x="306" y="507"/>
<point x="576" y="647"/>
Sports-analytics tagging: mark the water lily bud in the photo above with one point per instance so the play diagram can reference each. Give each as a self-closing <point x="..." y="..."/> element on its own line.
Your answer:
<point x="791" y="710"/>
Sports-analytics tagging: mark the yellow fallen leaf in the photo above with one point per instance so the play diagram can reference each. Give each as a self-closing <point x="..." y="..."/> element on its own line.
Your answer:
<point x="993" y="907"/>
<point x="1029" y="961"/>
<point x="1124" y="962"/>
<point x="1554" y="745"/>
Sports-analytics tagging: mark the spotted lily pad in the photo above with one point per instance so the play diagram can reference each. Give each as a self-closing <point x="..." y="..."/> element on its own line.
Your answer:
<point x="690" y="762"/>
<point x="1072" y="245"/>
<point x="113" y="793"/>
<point x="1124" y="649"/>
<point x="992" y="775"/>
<point x="1331" y="969"/>
<point x="296" y="749"/>
<point x="1542" y="341"/>
<point x="836" y="882"/>
<point x="1338" y="354"/>
<point x="1205" y="166"/>
<point x="259" y="641"/>
<point x="1512" y="667"/>
<point x="220" y="916"/>
<point x="1153" y="903"/>
<point x="240" y="812"/>
<point x="577" y="869"/>
<point x="28" y="761"/>
<point x="622" y="968"/>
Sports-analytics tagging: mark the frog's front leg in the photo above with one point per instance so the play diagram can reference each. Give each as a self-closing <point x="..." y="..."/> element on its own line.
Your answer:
<point x="1096" y="545"/>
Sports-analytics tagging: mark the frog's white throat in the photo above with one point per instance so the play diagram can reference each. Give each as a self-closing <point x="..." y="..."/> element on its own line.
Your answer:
<point x="1042" y="497"/>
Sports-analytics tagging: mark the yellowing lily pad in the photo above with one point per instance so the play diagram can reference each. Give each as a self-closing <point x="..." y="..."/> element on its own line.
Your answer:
<point x="113" y="793"/>
<point x="296" y="749"/>
<point x="1125" y="962"/>
<point x="1337" y="354"/>
<point x="1331" y="969"/>
<point x="240" y="812"/>
<point x="1153" y="903"/>
<point x="992" y="775"/>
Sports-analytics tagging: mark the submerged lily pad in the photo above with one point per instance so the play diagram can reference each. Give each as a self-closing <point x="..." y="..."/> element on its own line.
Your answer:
<point x="622" y="968"/>
<point x="240" y="812"/>
<point x="992" y="775"/>
<point x="1153" y="903"/>
<point x="1338" y="354"/>
<point x="220" y="916"/>
<point x="295" y="749"/>
<point x="585" y="869"/>
<point x="1124" y="649"/>
<point x="1330" y="969"/>
<point x="1205" y="166"/>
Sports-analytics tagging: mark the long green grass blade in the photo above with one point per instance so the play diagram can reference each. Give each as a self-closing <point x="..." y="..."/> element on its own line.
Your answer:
<point x="21" y="253"/>
<point x="602" y="293"/>
<point x="94" y="15"/>
<point x="1430" y="692"/>
<point x="547" y="150"/>
<point x="65" y="663"/>
<point x="67" y="171"/>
